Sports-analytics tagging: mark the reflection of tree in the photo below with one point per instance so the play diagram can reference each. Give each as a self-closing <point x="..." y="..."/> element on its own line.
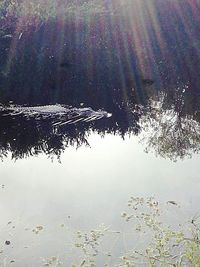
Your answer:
<point x="23" y="136"/>
<point x="170" y="127"/>
<point x="169" y="132"/>
<point x="108" y="60"/>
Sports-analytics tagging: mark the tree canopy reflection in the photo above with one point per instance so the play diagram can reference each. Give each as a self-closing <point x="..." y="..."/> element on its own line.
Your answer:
<point x="162" y="127"/>
<point x="169" y="129"/>
<point x="97" y="57"/>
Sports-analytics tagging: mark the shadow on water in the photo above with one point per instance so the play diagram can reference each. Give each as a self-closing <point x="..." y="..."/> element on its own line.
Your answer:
<point x="147" y="77"/>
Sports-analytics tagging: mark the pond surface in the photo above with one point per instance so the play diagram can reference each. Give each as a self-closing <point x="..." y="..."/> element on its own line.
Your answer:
<point x="91" y="116"/>
<point x="89" y="187"/>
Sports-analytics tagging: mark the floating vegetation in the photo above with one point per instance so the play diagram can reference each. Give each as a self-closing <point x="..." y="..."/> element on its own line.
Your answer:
<point x="7" y="242"/>
<point x="154" y="243"/>
<point x="163" y="245"/>
<point x="53" y="261"/>
<point x="38" y="229"/>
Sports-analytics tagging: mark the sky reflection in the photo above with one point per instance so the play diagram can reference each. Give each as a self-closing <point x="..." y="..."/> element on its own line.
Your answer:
<point x="92" y="185"/>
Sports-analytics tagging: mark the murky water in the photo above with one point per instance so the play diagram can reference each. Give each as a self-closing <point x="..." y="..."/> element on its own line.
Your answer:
<point x="92" y="116"/>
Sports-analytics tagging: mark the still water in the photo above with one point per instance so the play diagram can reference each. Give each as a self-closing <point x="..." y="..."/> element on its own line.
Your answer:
<point x="89" y="187"/>
<point x="96" y="110"/>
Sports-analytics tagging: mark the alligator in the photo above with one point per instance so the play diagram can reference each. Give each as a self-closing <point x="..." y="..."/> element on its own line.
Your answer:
<point x="65" y="114"/>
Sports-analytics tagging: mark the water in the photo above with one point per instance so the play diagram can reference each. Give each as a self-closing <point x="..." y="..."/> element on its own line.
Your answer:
<point x="89" y="187"/>
<point x="87" y="120"/>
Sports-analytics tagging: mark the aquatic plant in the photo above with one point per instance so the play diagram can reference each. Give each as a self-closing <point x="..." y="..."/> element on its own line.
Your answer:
<point x="156" y="240"/>
<point x="163" y="244"/>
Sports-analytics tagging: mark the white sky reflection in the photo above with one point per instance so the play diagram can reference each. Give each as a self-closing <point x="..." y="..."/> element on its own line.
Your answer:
<point x="91" y="185"/>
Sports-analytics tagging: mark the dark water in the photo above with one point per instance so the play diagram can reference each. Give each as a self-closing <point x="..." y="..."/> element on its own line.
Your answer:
<point x="142" y="66"/>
